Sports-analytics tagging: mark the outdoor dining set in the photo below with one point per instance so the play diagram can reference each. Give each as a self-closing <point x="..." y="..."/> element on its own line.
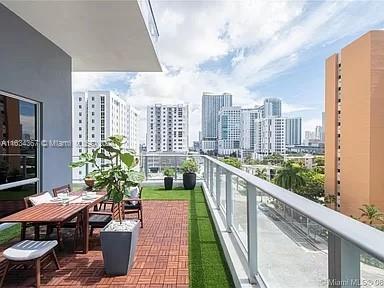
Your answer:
<point x="81" y="211"/>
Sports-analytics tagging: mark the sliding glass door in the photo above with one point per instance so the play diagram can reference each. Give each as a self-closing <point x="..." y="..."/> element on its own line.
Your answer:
<point x="19" y="149"/>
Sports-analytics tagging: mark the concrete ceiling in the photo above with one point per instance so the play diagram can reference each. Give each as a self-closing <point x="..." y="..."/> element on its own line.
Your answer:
<point x="99" y="35"/>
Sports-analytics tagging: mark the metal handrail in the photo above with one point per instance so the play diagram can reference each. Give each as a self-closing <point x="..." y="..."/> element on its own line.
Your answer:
<point x="363" y="236"/>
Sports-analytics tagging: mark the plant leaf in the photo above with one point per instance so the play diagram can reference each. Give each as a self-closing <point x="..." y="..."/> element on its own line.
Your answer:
<point x="127" y="159"/>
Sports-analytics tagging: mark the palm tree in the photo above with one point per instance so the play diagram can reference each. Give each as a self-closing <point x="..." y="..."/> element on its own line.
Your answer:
<point x="289" y="176"/>
<point x="261" y="173"/>
<point x="371" y="213"/>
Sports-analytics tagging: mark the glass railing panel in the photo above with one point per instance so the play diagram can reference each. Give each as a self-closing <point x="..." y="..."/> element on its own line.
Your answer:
<point x="371" y="271"/>
<point x="239" y="188"/>
<point x="200" y="162"/>
<point x="213" y="190"/>
<point x="154" y="167"/>
<point x="292" y="249"/>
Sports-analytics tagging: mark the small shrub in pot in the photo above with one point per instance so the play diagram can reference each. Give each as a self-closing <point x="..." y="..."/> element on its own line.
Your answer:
<point x="189" y="168"/>
<point x="168" y="179"/>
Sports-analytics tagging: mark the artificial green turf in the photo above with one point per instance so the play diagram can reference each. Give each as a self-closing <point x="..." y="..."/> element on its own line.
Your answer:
<point x="9" y="233"/>
<point x="207" y="265"/>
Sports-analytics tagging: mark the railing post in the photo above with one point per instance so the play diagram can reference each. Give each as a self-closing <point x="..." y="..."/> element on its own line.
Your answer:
<point x="218" y="186"/>
<point x="175" y="166"/>
<point x="252" y="232"/>
<point x="146" y="167"/>
<point x="211" y="177"/>
<point x="206" y="170"/>
<point x="229" y="200"/>
<point x="343" y="263"/>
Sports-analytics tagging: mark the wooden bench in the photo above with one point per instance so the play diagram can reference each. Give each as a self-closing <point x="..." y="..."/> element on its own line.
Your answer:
<point x="29" y="251"/>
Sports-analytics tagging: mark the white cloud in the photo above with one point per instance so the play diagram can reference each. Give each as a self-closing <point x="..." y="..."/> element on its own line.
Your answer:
<point x="291" y="108"/>
<point x="310" y="124"/>
<point x="95" y="80"/>
<point x="261" y="39"/>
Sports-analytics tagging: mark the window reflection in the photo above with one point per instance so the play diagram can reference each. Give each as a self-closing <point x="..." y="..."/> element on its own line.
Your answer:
<point x="12" y="199"/>
<point x="17" y="140"/>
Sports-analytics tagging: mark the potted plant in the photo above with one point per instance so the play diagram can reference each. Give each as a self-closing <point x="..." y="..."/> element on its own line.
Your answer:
<point x="168" y="179"/>
<point x="116" y="175"/>
<point x="189" y="168"/>
<point x="89" y="181"/>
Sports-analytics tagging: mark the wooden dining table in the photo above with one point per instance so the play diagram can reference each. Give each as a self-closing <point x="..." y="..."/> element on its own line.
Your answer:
<point x="58" y="214"/>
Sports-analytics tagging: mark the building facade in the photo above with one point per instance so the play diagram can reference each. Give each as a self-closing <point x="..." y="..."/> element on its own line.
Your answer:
<point x="228" y="131"/>
<point x="354" y="130"/>
<point x="272" y="107"/>
<point x="247" y="133"/>
<point x="293" y="131"/>
<point x="269" y="136"/>
<point x="211" y="105"/>
<point x="96" y="116"/>
<point x="167" y="128"/>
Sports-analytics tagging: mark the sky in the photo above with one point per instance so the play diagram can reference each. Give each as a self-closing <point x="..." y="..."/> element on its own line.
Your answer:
<point x="252" y="49"/>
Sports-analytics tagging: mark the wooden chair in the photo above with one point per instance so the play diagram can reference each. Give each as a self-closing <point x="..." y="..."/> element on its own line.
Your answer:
<point x="73" y="223"/>
<point x="24" y="226"/>
<point x="61" y="189"/>
<point x="28" y="251"/>
<point x="134" y="206"/>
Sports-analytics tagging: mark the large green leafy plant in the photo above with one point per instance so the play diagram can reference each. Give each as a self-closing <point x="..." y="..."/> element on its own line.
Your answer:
<point x="114" y="168"/>
<point x="189" y="166"/>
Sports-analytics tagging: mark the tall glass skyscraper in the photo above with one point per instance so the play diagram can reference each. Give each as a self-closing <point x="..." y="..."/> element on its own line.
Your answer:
<point x="272" y="107"/>
<point x="211" y="105"/>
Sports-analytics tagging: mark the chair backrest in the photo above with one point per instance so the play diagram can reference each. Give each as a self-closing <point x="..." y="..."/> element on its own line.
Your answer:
<point x="29" y="201"/>
<point x="61" y="189"/>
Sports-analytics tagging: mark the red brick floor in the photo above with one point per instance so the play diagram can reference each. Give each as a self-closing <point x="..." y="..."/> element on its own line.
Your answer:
<point x="161" y="256"/>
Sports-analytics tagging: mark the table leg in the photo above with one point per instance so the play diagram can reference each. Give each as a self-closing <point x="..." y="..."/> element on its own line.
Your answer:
<point x="85" y="230"/>
<point x="37" y="232"/>
<point x="23" y="229"/>
<point x="58" y="233"/>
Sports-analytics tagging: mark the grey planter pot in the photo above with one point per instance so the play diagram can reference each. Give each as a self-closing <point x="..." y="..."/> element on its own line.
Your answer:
<point x="119" y="248"/>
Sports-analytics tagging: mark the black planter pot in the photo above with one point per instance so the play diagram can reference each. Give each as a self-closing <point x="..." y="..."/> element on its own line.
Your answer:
<point x="119" y="249"/>
<point x="189" y="181"/>
<point x="168" y="183"/>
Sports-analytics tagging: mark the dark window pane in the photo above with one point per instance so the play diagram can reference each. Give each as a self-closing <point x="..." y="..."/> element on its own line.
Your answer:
<point x="18" y="140"/>
<point x="12" y="199"/>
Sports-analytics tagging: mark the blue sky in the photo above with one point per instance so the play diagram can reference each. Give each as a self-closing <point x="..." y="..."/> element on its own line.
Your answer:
<point x="253" y="49"/>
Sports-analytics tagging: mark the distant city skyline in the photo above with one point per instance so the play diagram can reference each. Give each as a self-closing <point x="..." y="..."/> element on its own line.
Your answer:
<point x="278" y="54"/>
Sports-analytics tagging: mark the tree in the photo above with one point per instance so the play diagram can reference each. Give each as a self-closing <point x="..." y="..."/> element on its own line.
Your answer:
<point x="314" y="185"/>
<point x="248" y="160"/>
<point x="290" y="177"/>
<point x="232" y="161"/>
<point x="261" y="173"/>
<point x="274" y="159"/>
<point x="319" y="168"/>
<point x="371" y="214"/>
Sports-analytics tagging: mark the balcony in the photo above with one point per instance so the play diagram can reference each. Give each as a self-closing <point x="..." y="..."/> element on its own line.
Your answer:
<point x="234" y="229"/>
<point x="275" y="238"/>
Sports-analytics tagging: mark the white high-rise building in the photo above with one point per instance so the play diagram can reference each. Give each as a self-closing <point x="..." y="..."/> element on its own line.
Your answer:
<point x="228" y="131"/>
<point x="96" y="116"/>
<point x="211" y="105"/>
<point x="247" y="125"/>
<point x="319" y="133"/>
<point x="293" y="131"/>
<point x="167" y="128"/>
<point x="269" y="136"/>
